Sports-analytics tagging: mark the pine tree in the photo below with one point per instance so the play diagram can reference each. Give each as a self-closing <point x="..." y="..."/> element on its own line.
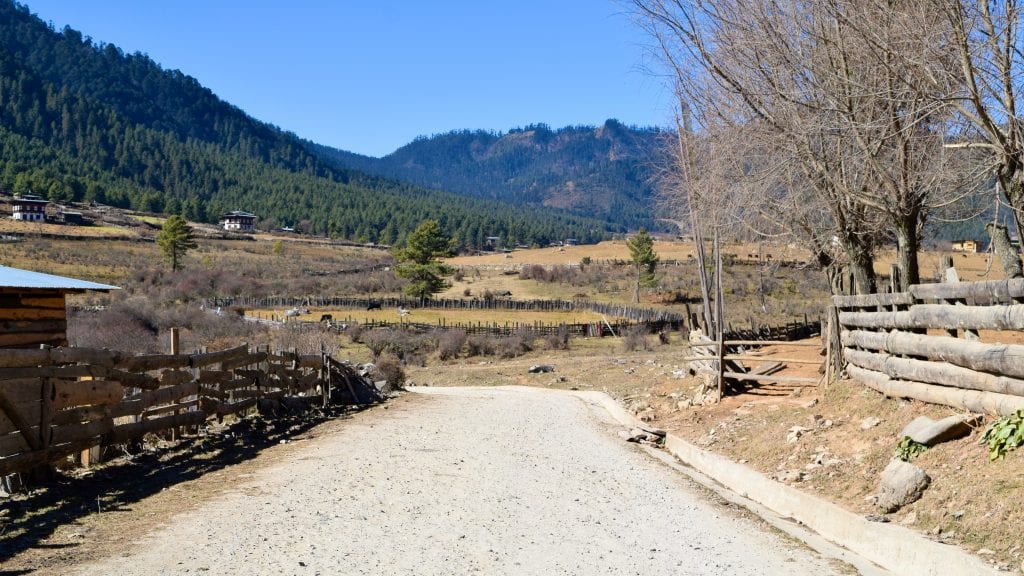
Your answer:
<point x="419" y="260"/>
<point x="174" y="240"/>
<point x="641" y="250"/>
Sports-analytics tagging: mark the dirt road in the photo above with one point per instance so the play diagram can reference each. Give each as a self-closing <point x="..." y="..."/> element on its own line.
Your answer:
<point x="465" y="481"/>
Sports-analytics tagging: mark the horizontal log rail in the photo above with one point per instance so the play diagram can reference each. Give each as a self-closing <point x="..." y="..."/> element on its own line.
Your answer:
<point x="944" y="316"/>
<point x="939" y="373"/>
<point x="973" y="400"/>
<point x="890" y="350"/>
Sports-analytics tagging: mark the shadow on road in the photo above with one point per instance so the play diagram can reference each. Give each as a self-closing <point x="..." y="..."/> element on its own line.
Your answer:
<point x="27" y="520"/>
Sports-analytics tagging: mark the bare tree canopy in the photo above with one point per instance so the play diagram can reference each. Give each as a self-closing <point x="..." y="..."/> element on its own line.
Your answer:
<point x="823" y="121"/>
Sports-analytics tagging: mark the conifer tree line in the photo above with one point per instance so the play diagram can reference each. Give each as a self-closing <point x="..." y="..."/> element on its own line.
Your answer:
<point x="844" y="126"/>
<point x="83" y="121"/>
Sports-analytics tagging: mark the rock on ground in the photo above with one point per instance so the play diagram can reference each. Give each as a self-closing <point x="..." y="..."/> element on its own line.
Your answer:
<point x="902" y="483"/>
<point x="924" y="430"/>
<point x="466" y="481"/>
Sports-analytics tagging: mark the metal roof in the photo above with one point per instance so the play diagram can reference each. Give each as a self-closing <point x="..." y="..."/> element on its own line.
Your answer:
<point x="18" y="278"/>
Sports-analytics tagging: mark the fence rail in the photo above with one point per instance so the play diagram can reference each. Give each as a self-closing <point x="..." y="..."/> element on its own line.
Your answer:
<point x="887" y="344"/>
<point x="59" y="401"/>
<point x="632" y="313"/>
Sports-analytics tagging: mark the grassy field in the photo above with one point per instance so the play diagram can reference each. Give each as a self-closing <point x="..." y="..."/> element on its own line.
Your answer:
<point x="448" y="317"/>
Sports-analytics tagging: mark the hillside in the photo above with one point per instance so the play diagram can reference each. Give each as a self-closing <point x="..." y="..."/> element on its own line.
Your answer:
<point x="606" y="171"/>
<point x="81" y="120"/>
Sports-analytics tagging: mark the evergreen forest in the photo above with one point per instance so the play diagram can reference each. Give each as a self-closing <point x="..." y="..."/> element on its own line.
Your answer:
<point x="82" y="120"/>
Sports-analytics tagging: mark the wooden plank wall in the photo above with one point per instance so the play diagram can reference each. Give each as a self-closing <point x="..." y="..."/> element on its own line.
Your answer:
<point x="29" y="318"/>
<point x="924" y="343"/>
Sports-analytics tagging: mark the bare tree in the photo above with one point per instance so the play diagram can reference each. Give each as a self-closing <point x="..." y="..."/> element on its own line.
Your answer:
<point x="986" y="41"/>
<point x="836" y="143"/>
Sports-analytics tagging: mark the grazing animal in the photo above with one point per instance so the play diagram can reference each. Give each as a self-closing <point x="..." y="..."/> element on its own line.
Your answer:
<point x="373" y="305"/>
<point x="402" y="311"/>
<point x="326" y="317"/>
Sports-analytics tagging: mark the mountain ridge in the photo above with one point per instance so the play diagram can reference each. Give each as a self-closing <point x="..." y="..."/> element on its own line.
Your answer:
<point x="607" y="171"/>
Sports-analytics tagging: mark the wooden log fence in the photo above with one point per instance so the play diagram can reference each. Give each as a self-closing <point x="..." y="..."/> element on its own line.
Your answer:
<point x="886" y="343"/>
<point x="49" y="410"/>
<point x="632" y="313"/>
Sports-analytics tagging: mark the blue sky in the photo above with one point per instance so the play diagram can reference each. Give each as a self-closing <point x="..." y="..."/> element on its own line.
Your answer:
<point x="370" y="75"/>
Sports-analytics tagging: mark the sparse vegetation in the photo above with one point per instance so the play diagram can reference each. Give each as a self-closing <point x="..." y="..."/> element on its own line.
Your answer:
<point x="1003" y="435"/>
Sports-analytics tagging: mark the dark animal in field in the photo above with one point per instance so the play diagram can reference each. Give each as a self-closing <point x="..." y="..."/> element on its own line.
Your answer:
<point x="326" y="317"/>
<point x="373" y="305"/>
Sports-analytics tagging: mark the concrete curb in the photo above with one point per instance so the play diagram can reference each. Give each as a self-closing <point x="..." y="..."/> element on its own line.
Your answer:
<point x="894" y="548"/>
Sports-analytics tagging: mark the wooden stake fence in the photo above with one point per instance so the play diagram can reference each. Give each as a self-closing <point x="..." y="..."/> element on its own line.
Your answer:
<point x="47" y="412"/>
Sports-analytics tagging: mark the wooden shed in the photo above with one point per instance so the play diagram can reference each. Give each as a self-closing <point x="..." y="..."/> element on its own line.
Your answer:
<point x="33" y="307"/>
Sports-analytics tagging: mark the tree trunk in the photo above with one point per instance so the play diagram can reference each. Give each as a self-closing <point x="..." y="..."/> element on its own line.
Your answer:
<point x="636" y="297"/>
<point x="861" y="263"/>
<point x="1007" y="254"/>
<point x="907" y="246"/>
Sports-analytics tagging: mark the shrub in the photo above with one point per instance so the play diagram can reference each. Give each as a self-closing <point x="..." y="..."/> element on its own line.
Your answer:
<point x="908" y="449"/>
<point x="355" y="333"/>
<point x="635" y="339"/>
<point x="450" y="343"/>
<point x="389" y="367"/>
<point x="1004" y="434"/>
<point x="377" y="340"/>
<point x="558" y="340"/>
<point x="514" y="345"/>
<point x="480" y="345"/>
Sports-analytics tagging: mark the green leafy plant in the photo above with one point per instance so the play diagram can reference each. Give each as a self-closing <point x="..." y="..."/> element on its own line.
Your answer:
<point x="908" y="449"/>
<point x="1004" y="435"/>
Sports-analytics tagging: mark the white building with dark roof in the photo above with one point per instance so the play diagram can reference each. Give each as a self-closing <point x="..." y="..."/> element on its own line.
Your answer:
<point x="238" y="221"/>
<point x="29" y="208"/>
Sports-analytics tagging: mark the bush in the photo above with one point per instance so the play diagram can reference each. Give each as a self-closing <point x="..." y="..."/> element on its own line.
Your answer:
<point x="480" y="345"/>
<point x="635" y="339"/>
<point x="450" y="343"/>
<point x="389" y="367"/>
<point x="514" y="345"/>
<point x="558" y="340"/>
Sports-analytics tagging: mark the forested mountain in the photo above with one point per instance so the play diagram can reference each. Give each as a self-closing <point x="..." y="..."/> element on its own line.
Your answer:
<point x="604" y="171"/>
<point x="82" y="120"/>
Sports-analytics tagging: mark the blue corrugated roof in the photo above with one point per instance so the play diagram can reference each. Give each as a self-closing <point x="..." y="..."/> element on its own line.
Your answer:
<point x="18" y="278"/>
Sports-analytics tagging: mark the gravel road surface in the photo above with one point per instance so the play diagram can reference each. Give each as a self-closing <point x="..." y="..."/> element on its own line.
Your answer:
<point x="466" y="481"/>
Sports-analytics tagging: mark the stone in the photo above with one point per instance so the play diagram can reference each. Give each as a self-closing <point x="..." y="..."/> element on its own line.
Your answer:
<point x="909" y="519"/>
<point x="930" y="432"/>
<point x="541" y="369"/>
<point x="795" y="433"/>
<point x="869" y="423"/>
<point x="684" y="404"/>
<point x="789" y="476"/>
<point x="902" y="483"/>
<point x="811" y="404"/>
<point x="652" y="430"/>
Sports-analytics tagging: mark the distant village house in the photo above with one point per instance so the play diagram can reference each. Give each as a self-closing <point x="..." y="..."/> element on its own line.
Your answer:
<point x="29" y="208"/>
<point x="965" y="246"/>
<point x="238" y="221"/>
